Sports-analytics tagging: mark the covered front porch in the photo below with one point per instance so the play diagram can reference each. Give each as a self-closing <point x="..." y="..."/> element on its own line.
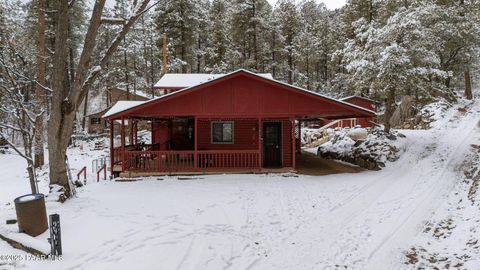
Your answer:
<point x="193" y="145"/>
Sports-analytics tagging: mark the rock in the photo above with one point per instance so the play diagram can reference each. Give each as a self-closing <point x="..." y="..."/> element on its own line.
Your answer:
<point x="357" y="143"/>
<point x="418" y="118"/>
<point x="391" y="137"/>
<point x="360" y="162"/>
<point x="78" y="183"/>
<point x="11" y="221"/>
<point x="372" y="165"/>
<point x="358" y="134"/>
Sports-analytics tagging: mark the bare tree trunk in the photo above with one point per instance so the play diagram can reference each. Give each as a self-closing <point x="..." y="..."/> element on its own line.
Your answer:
<point x="39" y="158"/>
<point x="274" y="43"/>
<point x="32" y="177"/>
<point x="290" y="66"/>
<point x="85" y="110"/>
<point x="62" y="114"/>
<point x="468" y="84"/>
<point x="389" y="108"/>
<point x="308" y="71"/>
<point x="255" y="46"/>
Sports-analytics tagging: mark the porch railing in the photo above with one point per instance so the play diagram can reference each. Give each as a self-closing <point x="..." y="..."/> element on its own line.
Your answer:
<point x="185" y="161"/>
<point x="244" y="159"/>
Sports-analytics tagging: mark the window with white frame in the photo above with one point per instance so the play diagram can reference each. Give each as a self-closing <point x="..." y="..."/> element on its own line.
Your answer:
<point x="222" y="132"/>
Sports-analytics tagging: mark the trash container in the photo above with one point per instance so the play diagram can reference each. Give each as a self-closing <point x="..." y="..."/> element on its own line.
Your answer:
<point x="31" y="214"/>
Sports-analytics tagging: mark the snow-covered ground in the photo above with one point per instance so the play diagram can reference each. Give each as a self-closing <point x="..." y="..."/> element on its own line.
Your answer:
<point x="368" y="220"/>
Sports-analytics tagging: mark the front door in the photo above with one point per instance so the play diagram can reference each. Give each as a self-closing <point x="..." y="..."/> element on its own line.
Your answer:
<point x="272" y="144"/>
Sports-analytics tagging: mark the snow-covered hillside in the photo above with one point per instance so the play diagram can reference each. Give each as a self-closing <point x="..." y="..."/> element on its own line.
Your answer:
<point x="367" y="220"/>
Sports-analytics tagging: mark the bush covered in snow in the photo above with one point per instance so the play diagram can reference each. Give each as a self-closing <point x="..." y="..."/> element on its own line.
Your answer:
<point x="369" y="149"/>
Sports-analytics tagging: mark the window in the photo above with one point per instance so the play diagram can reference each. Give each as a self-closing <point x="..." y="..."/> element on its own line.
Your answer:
<point x="222" y="132"/>
<point x="95" y="121"/>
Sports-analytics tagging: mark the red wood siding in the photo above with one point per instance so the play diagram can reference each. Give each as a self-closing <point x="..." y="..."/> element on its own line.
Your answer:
<point x="245" y="135"/>
<point x="287" y="143"/>
<point x="160" y="136"/>
<point x="361" y="103"/>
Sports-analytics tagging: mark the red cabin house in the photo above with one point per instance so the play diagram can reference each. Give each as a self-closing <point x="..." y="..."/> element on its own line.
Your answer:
<point x="239" y="122"/>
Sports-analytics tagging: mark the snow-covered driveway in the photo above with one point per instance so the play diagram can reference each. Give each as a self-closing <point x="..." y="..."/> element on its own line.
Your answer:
<point x="361" y="221"/>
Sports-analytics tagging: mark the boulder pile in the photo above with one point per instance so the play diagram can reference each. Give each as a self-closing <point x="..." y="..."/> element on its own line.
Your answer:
<point x="369" y="149"/>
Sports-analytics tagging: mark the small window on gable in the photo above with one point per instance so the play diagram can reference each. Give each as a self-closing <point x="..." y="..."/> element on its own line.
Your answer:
<point x="95" y="121"/>
<point x="222" y="132"/>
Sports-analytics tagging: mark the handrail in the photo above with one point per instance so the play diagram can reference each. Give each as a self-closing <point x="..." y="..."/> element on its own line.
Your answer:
<point x="330" y="124"/>
<point x="104" y="168"/>
<point x="84" y="171"/>
<point x="186" y="160"/>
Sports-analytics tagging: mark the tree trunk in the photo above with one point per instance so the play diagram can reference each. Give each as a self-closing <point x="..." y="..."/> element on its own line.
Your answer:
<point x="32" y="177"/>
<point x="308" y="71"/>
<point x="389" y="108"/>
<point x="39" y="159"/>
<point x="67" y="96"/>
<point x="85" y="110"/>
<point x="447" y="82"/>
<point x="125" y="65"/>
<point x="61" y="115"/>
<point x="468" y="84"/>
<point x="255" y="47"/>
<point x="290" y="66"/>
<point x="274" y="39"/>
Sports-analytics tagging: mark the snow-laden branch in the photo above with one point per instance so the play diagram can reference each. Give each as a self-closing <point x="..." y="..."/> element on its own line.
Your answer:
<point x="140" y="9"/>
<point x="7" y="126"/>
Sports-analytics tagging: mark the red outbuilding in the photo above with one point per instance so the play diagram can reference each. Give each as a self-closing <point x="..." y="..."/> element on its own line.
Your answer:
<point x="365" y="122"/>
<point x="239" y="122"/>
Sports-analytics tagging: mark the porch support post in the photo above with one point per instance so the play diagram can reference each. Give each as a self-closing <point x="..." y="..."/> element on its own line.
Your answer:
<point x="122" y="134"/>
<point x="299" y="141"/>
<point x="122" y="139"/>
<point x="151" y="132"/>
<point x="195" y="137"/>
<point x="135" y="132"/>
<point x="294" y="144"/>
<point x="112" y="148"/>
<point x="130" y="135"/>
<point x="260" y="139"/>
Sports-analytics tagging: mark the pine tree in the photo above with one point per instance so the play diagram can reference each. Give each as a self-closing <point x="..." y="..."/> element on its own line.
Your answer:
<point x="219" y="45"/>
<point x="177" y="19"/>
<point x="289" y="20"/>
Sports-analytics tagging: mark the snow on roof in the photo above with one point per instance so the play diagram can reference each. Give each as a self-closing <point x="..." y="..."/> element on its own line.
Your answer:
<point x="122" y="105"/>
<point x="354" y="96"/>
<point x="138" y="93"/>
<point x="183" y="80"/>
<point x="131" y="105"/>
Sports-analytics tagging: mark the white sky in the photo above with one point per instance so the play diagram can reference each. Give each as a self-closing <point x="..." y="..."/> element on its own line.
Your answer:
<point x="331" y="4"/>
